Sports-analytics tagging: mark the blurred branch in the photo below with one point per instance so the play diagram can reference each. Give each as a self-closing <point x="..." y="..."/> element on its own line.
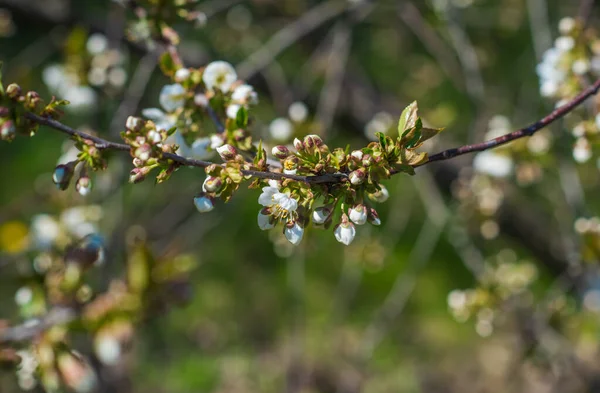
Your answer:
<point x="287" y="36"/>
<point x="33" y="327"/>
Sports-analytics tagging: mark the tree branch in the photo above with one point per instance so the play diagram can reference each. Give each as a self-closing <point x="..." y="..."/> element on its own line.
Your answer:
<point x="338" y="177"/>
<point x="33" y="327"/>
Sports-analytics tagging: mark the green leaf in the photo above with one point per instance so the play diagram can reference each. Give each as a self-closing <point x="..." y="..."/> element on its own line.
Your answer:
<point x="168" y="64"/>
<point x="241" y="119"/>
<point x="428" y="133"/>
<point x="411" y="137"/>
<point x="382" y="140"/>
<point x="408" y="118"/>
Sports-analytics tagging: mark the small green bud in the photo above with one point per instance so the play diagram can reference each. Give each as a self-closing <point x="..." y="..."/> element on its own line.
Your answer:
<point x="33" y="101"/>
<point x="13" y="91"/>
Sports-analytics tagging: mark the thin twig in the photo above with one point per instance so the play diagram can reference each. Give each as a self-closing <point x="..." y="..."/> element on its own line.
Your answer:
<point x="33" y="327"/>
<point x="337" y="177"/>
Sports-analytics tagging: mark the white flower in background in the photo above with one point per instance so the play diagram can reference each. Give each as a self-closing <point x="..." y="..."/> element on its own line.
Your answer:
<point x="244" y="95"/>
<point x="96" y="44"/>
<point x="298" y="112"/>
<point x="582" y="151"/>
<point x="216" y="141"/>
<point x="580" y="67"/>
<point x="281" y="204"/>
<point x="549" y="72"/>
<point x="44" y="230"/>
<point x="172" y="97"/>
<point x="199" y="150"/>
<point x="232" y="111"/>
<point x="566" y="25"/>
<point x="345" y="232"/>
<point x="182" y="74"/>
<point x="493" y="164"/>
<point x="281" y="129"/>
<point x="219" y="75"/>
<point x="54" y="76"/>
<point x="162" y="120"/>
<point x="381" y="122"/>
<point x="23" y="296"/>
<point x="564" y="43"/>
<point x="264" y="221"/>
<point x="80" y="97"/>
<point x="108" y="349"/>
<point x="294" y="232"/>
<point x="358" y="214"/>
<point x="81" y="221"/>
<point x="203" y="204"/>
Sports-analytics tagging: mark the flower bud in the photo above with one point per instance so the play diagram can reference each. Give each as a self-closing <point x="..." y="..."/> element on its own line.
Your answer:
<point x="374" y="217"/>
<point x="8" y="131"/>
<point x="358" y="154"/>
<point x="33" y="101"/>
<point x="203" y="203"/>
<point x="154" y="137"/>
<point x="293" y="232"/>
<point x="134" y="124"/>
<point x="138" y="174"/>
<point x="4" y="112"/>
<point x="137" y="162"/>
<point x="227" y="152"/>
<point x="321" y="214"/>
<point x="212" y="184"/>
<point x="298" y="145"/>
<point x="62" y="175"/>
<point x="358" y="214"/>
<point x="311" y="141"/>
<point x="357" y="177"/>
<point x="143" y="152"/>
<point x="345" y="231"/>
<point x="367" y="160"/>
<point x="83" y="185"/>
<point x="280" y="152"/>
<point x="13" y="91"/>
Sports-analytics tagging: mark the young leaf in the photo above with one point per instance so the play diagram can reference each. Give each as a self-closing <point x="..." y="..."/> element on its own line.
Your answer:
<point x="408" y="118"/>
<point x="168" y="65"/>
<point x="241" y="118"/>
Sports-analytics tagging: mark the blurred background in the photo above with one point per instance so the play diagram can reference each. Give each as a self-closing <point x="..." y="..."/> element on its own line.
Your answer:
<point x="481" y="278"/>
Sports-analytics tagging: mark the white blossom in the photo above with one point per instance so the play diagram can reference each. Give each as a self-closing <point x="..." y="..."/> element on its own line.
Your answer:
<point x="345" y="233"/>
<point x="232" y="111"/>
<point x="219" y="75"/>
<point x="381" y="195"/>
<point x="108" y="349"/>
<point x="580" y="66"/>
<point x="244" y="95"/>
<point x="96" y="43"/>
<point x="582" y="151"/>
<point x="566" y="25"/>
<point x="216" y="141"/>
<point x="279" y="201"/>
<point x="264" y="221"/>
<point x="44" y="230"/>
<point x="294" y="233"/>
<point x="172" y="97"/>
<point x="23" y="296"/>
<point x="358" y="214"/>
<point x="199" y="149"/>
<point x="182" y="74"/>
<point x="320" y="215"/>
<point x="564" y="43"/>
<point x="281" y="129"/>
